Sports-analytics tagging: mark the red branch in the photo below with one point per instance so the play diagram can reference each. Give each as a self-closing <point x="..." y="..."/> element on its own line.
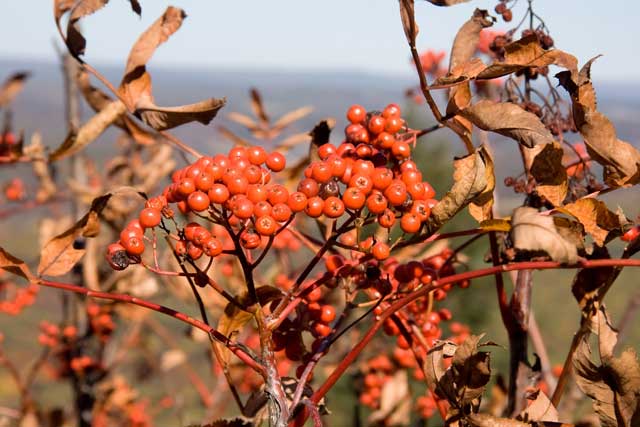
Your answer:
<point x="238" y="351"/>
<point x="527" y="265"/>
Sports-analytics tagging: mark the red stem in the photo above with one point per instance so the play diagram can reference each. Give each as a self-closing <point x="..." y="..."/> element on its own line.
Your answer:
<point x="527" y="265"/>
<point x="239" y="352"/>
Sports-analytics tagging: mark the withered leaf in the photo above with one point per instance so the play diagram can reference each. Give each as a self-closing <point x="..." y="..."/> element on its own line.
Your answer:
<point x="14" y="265"/>
<point x="525" y="53"/>
<point x="90" y="131"/>
<point x="472" y="176"/>
<point x="597" y="219"/>
<point x="540" y="409"/>
<point x="59" y="256"/>
<point x="407" y="14"/>
<point x="75" y="41"/>
<point x="135" y="6"/>
<point x="481" y="207"/>
<point x="510" y="120"/>
<point x="257" y="106"/>
<point x="614" y="385"/>
<point x="234" y="318"/>
<point x="621" y="161"/>
<point x="467" y="38"/>
<point x="447" y="2"/>
<point x="549" y="173"/>
<point x="485" y="420"/>
<point x="588" y="282"/>
<point x="395" y="402"/>
<point x="471" y="369"/>
<point x="136" y="89"/>
<point x="291" y="117"/>
<point x="12" y="86"/>
<point x="531" y="231"/>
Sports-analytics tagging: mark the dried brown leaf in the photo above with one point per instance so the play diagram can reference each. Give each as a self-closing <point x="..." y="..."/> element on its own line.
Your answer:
<point x="482" y="206"/>
<point x="550" y="174"/>
<point x="90" y="131"/>
<point x="12" y="86"/>
<point x="621" y="161"/>
<point x="471" y="369"/>
<point x="395" y="402"/>
<point x="597" y="219"/>
<point x="136" y="89"/>
<point x="447" y="2"/>
<point x="531" y="231"/>
<point x="257" y="106"/>
<point x="14" y="265"/>
<point x="539" y="409"/>
<point x="58" y="256"/>
<point x="234" y="318"/>
<point x="407" y="15"/>
<point x="291" y="117"/>
<point x="525" y="53"/>
<point x="243" y="120"/>
<point x="135" y="6"/>
<point x="485" y="420"/>
<point x="75" y="41"/>
<point x="509" y="120"/>
<point x="588" y="283"/>
<point x="472" y="176"/>
<point x="467" y="38"/>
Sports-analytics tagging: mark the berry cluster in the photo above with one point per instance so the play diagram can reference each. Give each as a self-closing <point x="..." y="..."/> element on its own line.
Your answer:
<point x="631" y="234"/>
<point x="503" y="10"/>
<point x="16" y="298"/>
<point x="370" y="174"/>
<point x="10" y="146"/>
<point x="14" y="190"/>
<point x="234" y="190"/>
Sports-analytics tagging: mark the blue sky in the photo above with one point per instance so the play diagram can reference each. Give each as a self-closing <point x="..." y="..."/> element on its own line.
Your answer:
<point x="322" y="34"/>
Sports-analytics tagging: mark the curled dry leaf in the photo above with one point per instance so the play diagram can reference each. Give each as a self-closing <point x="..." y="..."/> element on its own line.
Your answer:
<point x="257" y="106"/>
<point x="135" y="6"/>
<point x="90" y="131"/>
<point x="75" y="41"/>
<point x="473" y="178"/>
<point x="548" y="171"/>
<point x="481" y="207"/>
<point x="597" y="219"/>
<point x="407" y="15"/>
<point x="526" y="53"/>
<point x="234" y="318"/>
<point x="539" y="408"/>
<point x="98" y="100"/>
<point x="614" y="385"/>
<point x="467" y="38"/>
<point x="531" y="231"/>
<point x="509" y="120"/>
<point x="447" y="2"/>
<point x="59" y="255"/>
<point x="12" y="86"/>
<point x="621" y="161"/>
<point x="588" y="283"/>
<point x="485" y="420"/>
<point x="395" y="402"/>
<point x="14" y="265"/>
<point x="136" y="89"/>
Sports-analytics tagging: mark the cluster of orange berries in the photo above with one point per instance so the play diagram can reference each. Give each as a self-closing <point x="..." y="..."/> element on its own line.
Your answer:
<point x="21" y="298"/>
<point x="502" y="9"/>
<point x="371" y="172"/>
<point x="101" y="320"/>
<point x="9" y="145"/>
<point x="233" y="189"/>
<point x="14" y="190"/>
<point x="51" y="335"/>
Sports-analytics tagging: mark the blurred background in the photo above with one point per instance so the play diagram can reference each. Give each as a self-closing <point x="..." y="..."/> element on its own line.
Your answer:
<point x="327" y="55"/>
